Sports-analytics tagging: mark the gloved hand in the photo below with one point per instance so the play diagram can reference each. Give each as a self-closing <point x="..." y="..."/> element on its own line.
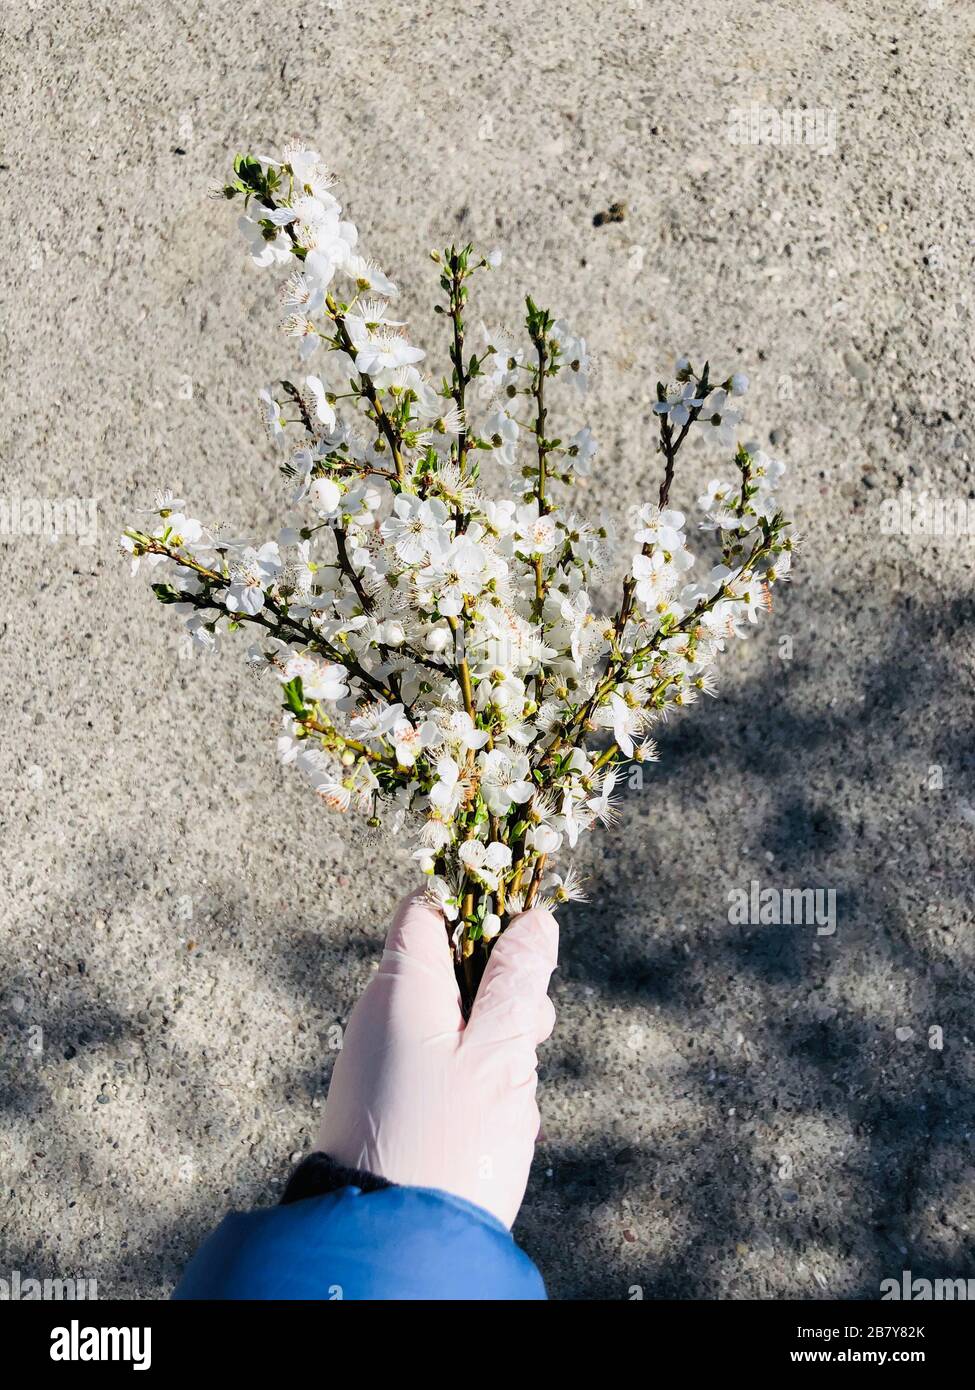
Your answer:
<point x="424" y="1100"/>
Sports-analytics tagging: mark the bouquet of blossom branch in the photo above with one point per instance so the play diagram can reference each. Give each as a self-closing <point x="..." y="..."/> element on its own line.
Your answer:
<point x="441" y="665"/>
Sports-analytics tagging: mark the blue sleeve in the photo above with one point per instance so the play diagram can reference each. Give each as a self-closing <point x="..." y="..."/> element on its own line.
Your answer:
<point x="397" y="1243"/>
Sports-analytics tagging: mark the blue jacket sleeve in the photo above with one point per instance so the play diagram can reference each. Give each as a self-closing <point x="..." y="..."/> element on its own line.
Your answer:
<point x="397" y="1243"/>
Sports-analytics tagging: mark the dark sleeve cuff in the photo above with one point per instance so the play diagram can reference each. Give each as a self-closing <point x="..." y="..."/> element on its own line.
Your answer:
<point x="318" y="1174"/>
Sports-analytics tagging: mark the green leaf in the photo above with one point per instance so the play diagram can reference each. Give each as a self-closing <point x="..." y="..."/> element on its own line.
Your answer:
<point x="250" y="173"/>
<point x="165" y="593"/>
<point x="294" y="698"/>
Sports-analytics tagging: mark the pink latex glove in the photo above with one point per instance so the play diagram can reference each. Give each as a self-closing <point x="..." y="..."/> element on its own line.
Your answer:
<point x="424" y="1100"/>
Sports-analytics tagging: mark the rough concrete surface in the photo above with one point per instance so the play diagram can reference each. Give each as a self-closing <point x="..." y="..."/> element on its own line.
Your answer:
<point x="729" y="1111"/>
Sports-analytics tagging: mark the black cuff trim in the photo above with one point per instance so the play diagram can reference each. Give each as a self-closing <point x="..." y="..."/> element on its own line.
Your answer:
<point x="318" y="1175"/>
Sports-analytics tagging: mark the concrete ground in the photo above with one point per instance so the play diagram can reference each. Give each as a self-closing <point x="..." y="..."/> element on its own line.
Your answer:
<point x="729" y="1111"/>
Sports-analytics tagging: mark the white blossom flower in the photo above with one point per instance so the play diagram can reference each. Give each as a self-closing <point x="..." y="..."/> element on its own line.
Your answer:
<point x="438" y="638"/>
<point x="416" y="528"/>
<point x="565" y="888"/>
<point x="485" y="861"/>
<point x="448" y="791"/>
<point x="454" y="729"/>
<point x="320" y="680"/>
<point x="663" y="528"/>
<point x="657" y="579"/>
<point x="276" y="251"/>
<point x="623" y="719"/>
<point x="324" y="411"/>
<point x="288" y="746"/>
<point x="450" y="663"/>
<point x="505" y="778"/>
<point x="426" y="860"/>
<point x="299" y="296"/>
<point x="252" y="574"/>
<point x="535" y="532"/>
<point x="503" y="432"/>
<point x="163" y="503"/>
<point x="381" y="353"/>
<point x="574" y="352"/>
<point x="718" y="423"/>
<point x="369" y="276"/>
<point x="680" y="401"/>
<point x="274" y="416"/>
<point x="445" y="896"/>
<point x="503" y="350"/>
<point x="585" y="451"/>
<point x="602" y="805"/>
<point x="574" y="817"/>
<point x="407" y="742"/>
<point x="453" y="573"/>
<point x="545" y="839"/>
<point x="376" y="722"/>
<point x="326" y="495"/>
<point x="180" y="530"/>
